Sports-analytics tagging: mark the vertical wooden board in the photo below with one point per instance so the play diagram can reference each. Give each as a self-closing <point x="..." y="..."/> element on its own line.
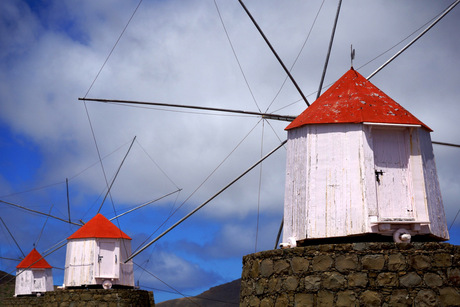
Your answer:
<point x="334" y="181"/>
<point x="294" y="185"/>
<point x="418" y="181"/>
<point x="356" y="211"/>
<point x="438" y="225"/>
<point x="106" y="259"/>
<point x="67" y="267"/>
<point x="126" y="269"/>
<point x="38" y="283"/>
<point x="49" y="284"/>
<point x="391" y="158"/>
<point x="80" y="261"/>
<point x="370" y="195"/>
<point x="24" y="281"/>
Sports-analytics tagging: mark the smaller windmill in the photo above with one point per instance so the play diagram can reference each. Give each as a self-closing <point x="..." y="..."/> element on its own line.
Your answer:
<point x="358" y="163"/>
<point x="33" y="275"/>
<point x="96" y="255"/>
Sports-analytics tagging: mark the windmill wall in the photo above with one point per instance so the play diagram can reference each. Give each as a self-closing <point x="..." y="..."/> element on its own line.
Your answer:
<point x="353" y="274"/>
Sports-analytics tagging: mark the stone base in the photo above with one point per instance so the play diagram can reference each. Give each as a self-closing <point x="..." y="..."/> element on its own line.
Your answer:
<point x="85" y="297"/>
<point x="353" y="274"/>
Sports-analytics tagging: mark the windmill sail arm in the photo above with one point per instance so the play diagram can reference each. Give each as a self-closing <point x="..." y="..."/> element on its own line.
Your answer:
<point x="288" y="118"/>
<point x="415" y="39"/>
<point x="42" y="213"/>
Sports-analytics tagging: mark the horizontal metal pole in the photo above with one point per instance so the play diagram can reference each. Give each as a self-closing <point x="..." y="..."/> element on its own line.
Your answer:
<point x="35" y="211"/>
<point x="287" y="118"/>
<point x="445" y="144"/>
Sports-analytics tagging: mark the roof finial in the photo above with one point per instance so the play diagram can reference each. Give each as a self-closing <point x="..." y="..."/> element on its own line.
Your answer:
<point x="352" y="55"/>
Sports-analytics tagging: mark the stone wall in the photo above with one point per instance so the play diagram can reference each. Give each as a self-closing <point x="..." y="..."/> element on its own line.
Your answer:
<point x="353" y="274"/>
<point x="85" y="297"/>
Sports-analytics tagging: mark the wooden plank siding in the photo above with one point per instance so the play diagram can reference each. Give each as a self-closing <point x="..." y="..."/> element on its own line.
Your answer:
<point x="325" y="195"/>
<point x="331" y="187"/>
<point x="83" y="268"/>
<point x="437" y="217"/>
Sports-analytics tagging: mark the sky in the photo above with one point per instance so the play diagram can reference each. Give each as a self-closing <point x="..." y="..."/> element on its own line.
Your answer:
<point x="178" y="52"/>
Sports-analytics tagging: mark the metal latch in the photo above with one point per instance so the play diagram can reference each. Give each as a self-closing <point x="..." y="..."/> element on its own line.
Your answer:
<point x="99" y="258"/>
<point x="377" y="175"/>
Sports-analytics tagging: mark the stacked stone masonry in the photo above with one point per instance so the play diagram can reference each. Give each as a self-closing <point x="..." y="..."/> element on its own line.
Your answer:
<point x="84" y="298"/>
<point x="354" y="274"/>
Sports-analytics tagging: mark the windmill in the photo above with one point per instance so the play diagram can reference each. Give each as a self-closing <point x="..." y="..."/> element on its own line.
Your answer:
<point x="358" y="51"/>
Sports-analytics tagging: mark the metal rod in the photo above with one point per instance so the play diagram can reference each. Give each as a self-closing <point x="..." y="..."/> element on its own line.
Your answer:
<point x="10" y="259"/>
<point x="13" y="238"/>
<point x="54" y="217"/>
<point x="415" y="39"/>
<point x="43" y="228"/>
<point x="329" y="49"/>
<point x="288" y="118"/>
<point x="279" y="234"/>
<point x="206" y="202"/>
<point x="143" y="205"/>
<point x="274" y="52"/>
<point x="446" y="144"/>
<point x="116" y="174"/>
<point x="68" y="199"/>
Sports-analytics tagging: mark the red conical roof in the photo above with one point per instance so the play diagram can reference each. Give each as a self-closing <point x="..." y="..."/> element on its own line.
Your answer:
<point x="353" y="99"/>
<point x="99" y="227"/>
<point x="30" y="261"/>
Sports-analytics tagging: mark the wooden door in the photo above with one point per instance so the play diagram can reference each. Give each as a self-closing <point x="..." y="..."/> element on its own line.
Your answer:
<point x="39" y="281"/>
<point x="106" y="259"/>
<point x="392" y="175"/>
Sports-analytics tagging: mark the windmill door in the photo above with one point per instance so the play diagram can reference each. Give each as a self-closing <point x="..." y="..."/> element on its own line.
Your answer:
<point x="392" y="175"/>
<point x="106" y="259"/>
<point x="39" y="281"/>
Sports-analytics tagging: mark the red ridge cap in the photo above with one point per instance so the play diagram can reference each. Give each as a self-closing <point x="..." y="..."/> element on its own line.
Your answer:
<point x="99" y="227"/>
<point x="354" y="99"/>
<point x="30" y="261"/>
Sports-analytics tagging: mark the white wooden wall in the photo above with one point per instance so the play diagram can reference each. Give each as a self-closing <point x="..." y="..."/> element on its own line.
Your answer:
<point x="29" y="281"/>
<point x="331" y="190"/>
<point x="437" y="217"/>
<point x="325" y="194"/>
<point x="82" y="266"/>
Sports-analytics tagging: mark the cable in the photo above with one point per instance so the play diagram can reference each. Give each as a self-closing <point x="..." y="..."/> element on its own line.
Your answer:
<point x="298" y="55"/>
<point x="156" y="164"/>
<point x="169" y="286"/>
<point x="236" y="57"/>
<point x="260" y="186"/>
<point x="113" y="48"/>
<point x="206" y="179"/>
<point x="43" y="228"/>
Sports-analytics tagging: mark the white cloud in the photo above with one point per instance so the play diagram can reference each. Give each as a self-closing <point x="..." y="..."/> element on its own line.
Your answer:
<point x="177" y="52"/>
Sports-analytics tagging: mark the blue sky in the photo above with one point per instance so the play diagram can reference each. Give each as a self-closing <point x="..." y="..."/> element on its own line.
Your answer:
<point x="177" y="52"/>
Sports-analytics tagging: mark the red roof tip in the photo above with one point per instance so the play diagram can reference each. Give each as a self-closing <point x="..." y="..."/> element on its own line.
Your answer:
<point x="354" y="99"/>
<point x="32" y="261"/>
<point x="99" y="227"/>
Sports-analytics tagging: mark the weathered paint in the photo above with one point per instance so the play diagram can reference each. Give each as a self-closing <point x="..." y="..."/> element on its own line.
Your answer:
<point x="391" y="160"/>
<point x="98" y="253"/>
<point x="353" y="99"/>
<point x="433" y="197"/>
<point x="335" y="148"/>
<point x="99" y="227"/>
<point x="325" y="195"/>
<point x="33" y="275"/>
